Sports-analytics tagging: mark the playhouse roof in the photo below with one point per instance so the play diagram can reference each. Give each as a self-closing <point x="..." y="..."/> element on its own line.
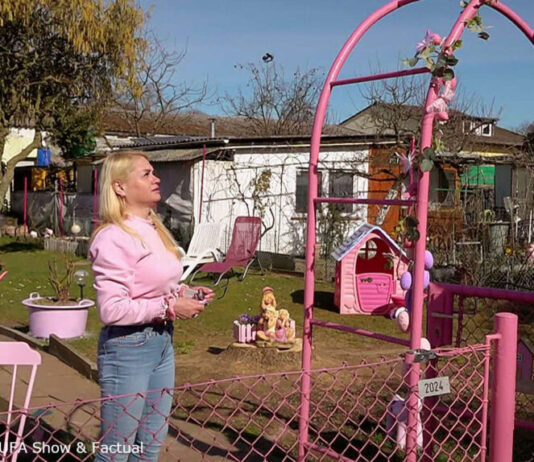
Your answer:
<point x="528" y="345"/>
<point x="359" y="236"/>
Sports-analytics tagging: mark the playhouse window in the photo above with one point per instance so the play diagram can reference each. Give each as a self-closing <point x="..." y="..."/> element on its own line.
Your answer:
<point x="301" y="196"/>
<point x="368" y="251"/>
<point x="341" y="184"/>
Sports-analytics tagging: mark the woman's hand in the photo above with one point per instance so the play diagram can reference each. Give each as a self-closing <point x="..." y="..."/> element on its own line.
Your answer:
<point x="209" y="294"/>
<point x="186" y="308"/>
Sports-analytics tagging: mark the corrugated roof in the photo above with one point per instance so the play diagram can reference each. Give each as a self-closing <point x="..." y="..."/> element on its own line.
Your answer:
<point x="172" y="155"/>
<point x="175" y="155"/>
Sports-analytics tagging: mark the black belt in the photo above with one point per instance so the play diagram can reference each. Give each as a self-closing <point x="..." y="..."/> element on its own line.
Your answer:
<point x="116" y="331"/>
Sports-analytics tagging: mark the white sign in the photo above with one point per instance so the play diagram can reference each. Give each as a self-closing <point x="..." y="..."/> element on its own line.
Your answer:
<point x="434" y="387"/>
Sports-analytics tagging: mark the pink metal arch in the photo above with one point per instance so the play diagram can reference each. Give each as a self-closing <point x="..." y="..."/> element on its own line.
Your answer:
<point x="498" y="453"/>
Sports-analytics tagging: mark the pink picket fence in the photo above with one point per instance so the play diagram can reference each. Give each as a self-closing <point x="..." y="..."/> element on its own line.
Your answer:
<point x="354" y="415"/>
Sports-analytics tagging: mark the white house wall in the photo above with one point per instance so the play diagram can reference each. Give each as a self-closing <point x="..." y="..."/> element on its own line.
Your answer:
<point x="228" y="187"/>
<point x="16" y="141"/>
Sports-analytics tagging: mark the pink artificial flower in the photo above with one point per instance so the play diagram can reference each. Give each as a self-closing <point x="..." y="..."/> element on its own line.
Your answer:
<point x="425" y="43"/>
<point x="431" y="38"/>
<point x="443" y="116"/>
<point x="406" y="160"/>
<point x="442" y="102"/>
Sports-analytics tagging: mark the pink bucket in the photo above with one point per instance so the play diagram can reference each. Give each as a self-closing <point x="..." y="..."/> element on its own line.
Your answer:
<point x="64" y="321"/>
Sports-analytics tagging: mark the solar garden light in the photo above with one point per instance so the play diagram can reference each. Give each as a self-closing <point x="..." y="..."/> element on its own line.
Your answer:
<point x="81" y="279"/>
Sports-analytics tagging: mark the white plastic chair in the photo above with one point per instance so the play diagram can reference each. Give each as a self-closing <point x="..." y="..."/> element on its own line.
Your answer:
<point x="18" y="354"/>
<point x="204" y="247"/>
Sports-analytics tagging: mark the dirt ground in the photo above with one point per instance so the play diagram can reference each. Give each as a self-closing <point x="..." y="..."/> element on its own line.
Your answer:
<point x="214" y="358"/>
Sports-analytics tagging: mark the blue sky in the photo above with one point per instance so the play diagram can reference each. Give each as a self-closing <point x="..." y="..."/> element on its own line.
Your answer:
<point x="308" y="34"/>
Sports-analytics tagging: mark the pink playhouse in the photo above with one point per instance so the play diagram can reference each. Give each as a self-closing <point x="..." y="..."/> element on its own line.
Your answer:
<point x="368" y="267"/>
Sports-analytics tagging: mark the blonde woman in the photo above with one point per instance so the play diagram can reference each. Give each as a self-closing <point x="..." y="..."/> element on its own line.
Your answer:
<point x="137" y="267"/>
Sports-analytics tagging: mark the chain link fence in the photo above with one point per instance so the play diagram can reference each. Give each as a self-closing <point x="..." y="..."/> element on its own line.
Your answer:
<point x="356" y="413"/>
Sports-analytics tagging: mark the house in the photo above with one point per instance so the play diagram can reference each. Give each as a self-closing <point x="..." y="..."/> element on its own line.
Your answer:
<point x="17" y="139"/>
<point x="217" y="170"/>
<point x="218" y="179"/>
<point x="482" y="164"/>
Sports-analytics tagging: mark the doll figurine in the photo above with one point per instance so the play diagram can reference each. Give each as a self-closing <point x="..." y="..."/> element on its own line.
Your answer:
<point x="266" y="327"/>
<point x="267" y="299"/>
<point x="284" y="332"/>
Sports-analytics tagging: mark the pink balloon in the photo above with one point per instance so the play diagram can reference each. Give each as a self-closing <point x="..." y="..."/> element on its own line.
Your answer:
<point x="406" y="280"/>
<point x="429" y="259"/>
<point x="426" y="279"/>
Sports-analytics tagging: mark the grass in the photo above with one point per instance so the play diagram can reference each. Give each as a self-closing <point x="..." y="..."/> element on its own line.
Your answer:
<point x="27" y="264"/>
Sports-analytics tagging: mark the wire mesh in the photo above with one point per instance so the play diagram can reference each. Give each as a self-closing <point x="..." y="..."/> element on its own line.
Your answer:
<point x="475" y="320"/>
<point x="357" y="413"/>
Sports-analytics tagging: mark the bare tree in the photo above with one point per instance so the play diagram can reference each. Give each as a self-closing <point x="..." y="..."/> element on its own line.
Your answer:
<point x="395" y="108"/>
<point x="153" y="106"/>
<point x="274" y="104"/>
<point x="256" y="192"/>
<point x="524" y="128"/>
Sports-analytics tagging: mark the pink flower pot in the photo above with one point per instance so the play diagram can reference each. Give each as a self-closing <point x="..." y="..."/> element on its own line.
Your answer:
<point x="65" y="321"/>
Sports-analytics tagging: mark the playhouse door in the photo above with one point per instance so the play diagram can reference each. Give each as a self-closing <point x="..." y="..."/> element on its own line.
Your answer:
<point x="374" y="292"/>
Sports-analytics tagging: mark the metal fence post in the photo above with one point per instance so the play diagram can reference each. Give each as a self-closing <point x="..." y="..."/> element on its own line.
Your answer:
<point x="503" y="389"/>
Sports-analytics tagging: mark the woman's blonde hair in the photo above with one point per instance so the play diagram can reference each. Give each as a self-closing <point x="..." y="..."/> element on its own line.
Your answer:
<point x="117" y="167"/>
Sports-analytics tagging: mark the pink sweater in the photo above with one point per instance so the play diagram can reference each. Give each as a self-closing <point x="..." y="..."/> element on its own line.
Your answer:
<point x="133" y="278"/>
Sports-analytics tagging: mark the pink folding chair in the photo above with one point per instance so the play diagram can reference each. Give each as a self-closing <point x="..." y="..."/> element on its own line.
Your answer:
<point x="18" y="354"/>
<point x="242" y="251"/>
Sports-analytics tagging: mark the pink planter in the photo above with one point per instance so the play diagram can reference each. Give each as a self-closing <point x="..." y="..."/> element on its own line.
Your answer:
<point x="63" y="321"/>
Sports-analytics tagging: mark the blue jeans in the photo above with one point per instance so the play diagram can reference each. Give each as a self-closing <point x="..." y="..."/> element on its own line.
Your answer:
<point x="134" y="359"/>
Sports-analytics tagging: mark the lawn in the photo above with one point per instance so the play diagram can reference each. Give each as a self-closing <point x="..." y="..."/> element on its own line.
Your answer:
<point x="199" y="342"/>
<point x="212" y="331"/>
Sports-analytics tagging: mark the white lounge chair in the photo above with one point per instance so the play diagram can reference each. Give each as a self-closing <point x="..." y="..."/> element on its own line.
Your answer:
<point x="204" y="247"/>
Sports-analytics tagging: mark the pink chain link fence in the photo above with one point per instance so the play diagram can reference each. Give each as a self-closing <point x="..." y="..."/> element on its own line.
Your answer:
<point x="357" y="413"/>
<point x="462" y="319"/>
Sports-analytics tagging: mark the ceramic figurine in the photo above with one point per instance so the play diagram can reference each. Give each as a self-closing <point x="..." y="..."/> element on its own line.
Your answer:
<point x="284" y="333"/>
<point x="266" y="328"/>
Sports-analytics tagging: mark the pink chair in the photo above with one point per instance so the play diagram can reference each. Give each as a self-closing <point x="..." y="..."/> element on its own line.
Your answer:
<point x="18" y="354"/>
<point x="242" y="251"/>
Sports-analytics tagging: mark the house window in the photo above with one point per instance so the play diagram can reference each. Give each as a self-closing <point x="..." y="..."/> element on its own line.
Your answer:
<point x="341" y="184"/>
<point x="486" y="130"/>
<point x="503" y="184"/>
<point x="301" y="197"/>
<point x="478" y="128"/>
<point x="442" y="187"/>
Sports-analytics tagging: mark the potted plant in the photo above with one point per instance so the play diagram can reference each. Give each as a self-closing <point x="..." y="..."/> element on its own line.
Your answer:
<point x="61" y="314"/>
